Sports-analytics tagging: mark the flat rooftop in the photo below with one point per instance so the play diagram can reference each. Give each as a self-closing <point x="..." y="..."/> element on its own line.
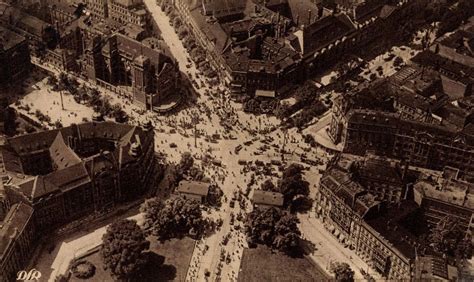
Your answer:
<point x="9" y="39"/>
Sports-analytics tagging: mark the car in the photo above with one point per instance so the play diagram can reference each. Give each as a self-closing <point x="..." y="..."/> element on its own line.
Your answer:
<point x="237" y="149"/>
<point x="275" y="162"/>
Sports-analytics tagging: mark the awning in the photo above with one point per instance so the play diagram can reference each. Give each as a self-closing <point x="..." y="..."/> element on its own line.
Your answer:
<point x="265" y="93"/>
<point x="336" y="232"/>
<point x="331" y="228"/>
<point x="342" y="237"/>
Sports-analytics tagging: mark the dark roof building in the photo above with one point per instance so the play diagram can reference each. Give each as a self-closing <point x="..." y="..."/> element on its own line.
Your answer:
<point x="14" y="57"/>
<point x="266" y="199"/>
<point x="66" y="174"/>
<point x="362" y="204"/>
<point x="194" y="190"/>
<point x="17" y="236"/>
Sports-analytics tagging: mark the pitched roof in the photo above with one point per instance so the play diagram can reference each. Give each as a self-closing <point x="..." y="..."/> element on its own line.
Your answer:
<point x="61" y="154"/>
<point x="193" y="187"/>
<point x="69" y="169"/>
<point x="13" y="224"/>
<point x="261" y="197"/>
<point x="68" y="177"/>
<point x="42" y="187"/>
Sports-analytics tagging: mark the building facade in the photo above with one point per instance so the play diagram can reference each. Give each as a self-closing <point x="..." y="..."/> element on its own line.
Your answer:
<point x="14" y="57"/>
<point x="17" y="238"/>
<point x="68" y="173"/>
<point x="441" y="197"/>
<point x="358" y="218"/>
<point x="117" y="60"/>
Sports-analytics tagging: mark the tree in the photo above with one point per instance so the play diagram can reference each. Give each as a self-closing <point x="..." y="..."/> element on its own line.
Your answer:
<point x="123" y="247"/>
<point x="175" y="218"/>
<point x="292" y="183"/>
<point x="52" y="80"/>
<point x="63" y="81"/>
<point x="151" y="209"/>
<point x="95" y="99"/>
<point x="342" y="271"/>
<point x="82" y="93"/>
<point x="268" y="185"/>
<point x="187" y="161"/>
<point x="273" y="227"/>
<point x="214" y="197"/>
<point x="118" y="113"/>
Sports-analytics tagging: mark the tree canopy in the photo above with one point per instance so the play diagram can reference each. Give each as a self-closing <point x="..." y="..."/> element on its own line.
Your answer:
<point x="342" y="271"/>
<point x="292" y="184"/>
<point x="174" y="218"/>
<point x="123" y="247"/>
<point x="186" y="162"/>
<point x="273" y="227"/>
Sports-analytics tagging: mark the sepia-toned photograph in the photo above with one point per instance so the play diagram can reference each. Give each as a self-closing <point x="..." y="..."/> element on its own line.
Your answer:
<point x="236" y="140"/>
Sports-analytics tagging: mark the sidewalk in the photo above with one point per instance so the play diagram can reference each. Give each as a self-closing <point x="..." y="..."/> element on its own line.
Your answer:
<point x="329" y="250"/>
<point x="71" y="249"/>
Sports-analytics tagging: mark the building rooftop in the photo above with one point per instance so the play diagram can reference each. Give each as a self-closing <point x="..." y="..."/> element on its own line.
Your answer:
<point x="378" y="168"/>
<point x="462" y="40"/>
<point x="13" y="225"/>
<point x="261" y="197"/>
<point x="388" y="225"/>
<point x="193" y="187"/>
<point x="69" y="167"/>
<point x="223" y="8"/>
<point x="9" y="39"/>
<point x="452" y="191"/>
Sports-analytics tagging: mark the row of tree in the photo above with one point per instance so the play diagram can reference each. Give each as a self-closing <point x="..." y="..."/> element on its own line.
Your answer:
<point x="123" y="249"/>
<point x="174" y="218"/>
<point x="125" y="243"/>
<point x="293" y="186"/>
<point x="273" y="227"/>
<point x="89" y="96"/>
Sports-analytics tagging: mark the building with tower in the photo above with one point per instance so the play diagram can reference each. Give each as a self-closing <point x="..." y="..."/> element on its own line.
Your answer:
<point x="146" y="70"/>
<point x="54" y="177"/>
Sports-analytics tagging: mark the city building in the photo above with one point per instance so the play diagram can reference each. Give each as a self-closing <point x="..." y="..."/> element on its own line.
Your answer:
<point x="148" y="73"/>
<point x="420" y="144"/>
<point x="267" y="199"/>
<point x="433" y="268"/>
<point x="17" y="238"/>
<point x="68" y="173"/>
<point x="386" y="244"/>
<point x="407" y="116"/>
<point x="128" y="11"/>
<point x="363" y="220"/>
<point x="193" y="190"/>
<point x="445" y="196"/>
<point x="14" y="57"/>
<point x="452" y="56"/>
<point x="121" y="11"/>
<point x="40" y="34"/>
<point x="259" y="47"/>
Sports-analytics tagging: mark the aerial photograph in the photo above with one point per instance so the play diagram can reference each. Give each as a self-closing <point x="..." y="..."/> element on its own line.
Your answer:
<point x="236" y="140"/>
